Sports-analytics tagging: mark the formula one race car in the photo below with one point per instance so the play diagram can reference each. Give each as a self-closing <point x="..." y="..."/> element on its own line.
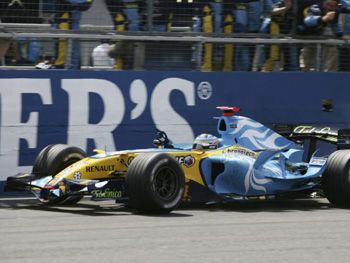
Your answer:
<point x="248" y="161"/>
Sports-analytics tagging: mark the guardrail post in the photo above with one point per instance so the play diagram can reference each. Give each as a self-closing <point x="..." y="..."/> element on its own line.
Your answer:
<point x="41" y="8"/>
<point x="69" y="53"/>
<point x="139" y="55"/>
<point x="199" y="51"/>
<point x="150" y="9"/>
<point x="295" y="22"/>
<point x="318" y="59"/>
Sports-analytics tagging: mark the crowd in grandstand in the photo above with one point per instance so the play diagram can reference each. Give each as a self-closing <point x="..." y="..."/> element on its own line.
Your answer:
<point x="233" y="18"/>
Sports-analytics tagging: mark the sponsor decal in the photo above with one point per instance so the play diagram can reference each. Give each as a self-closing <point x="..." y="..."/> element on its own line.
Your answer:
<point x="318" y="161"/>
<point x="106" y="193"/>
<point x="240" y="151"/>
<point x="204" y="90"/>
<point x="100" y="168"/>
<point x="188" y="160"/>
<point x="127" y="162"/>
<point x="315" y="130"/>
<point x="77" y="175"/>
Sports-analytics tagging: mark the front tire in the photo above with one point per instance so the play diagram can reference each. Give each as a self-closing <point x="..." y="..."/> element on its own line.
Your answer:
<point x="155" y="183"/>
<point x="336" y="178"/>
<point x="53" y="159"/>
<point x="56" y="157"/>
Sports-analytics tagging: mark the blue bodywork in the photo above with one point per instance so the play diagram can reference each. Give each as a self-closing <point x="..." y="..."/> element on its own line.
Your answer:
<point x="251" y="160"/>
<point x="265" y="164"/>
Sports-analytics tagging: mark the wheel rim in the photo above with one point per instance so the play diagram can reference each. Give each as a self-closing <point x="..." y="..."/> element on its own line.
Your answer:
<point x="165" y="184"/>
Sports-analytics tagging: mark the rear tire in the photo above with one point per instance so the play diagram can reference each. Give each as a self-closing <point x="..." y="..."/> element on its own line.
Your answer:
<point x="155" y="183"/>
<point x="336" y="178"/>
<point x="53" y="159"/>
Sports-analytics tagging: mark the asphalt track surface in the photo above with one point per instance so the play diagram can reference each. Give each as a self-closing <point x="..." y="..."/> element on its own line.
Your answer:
<point x="283" y="231"/>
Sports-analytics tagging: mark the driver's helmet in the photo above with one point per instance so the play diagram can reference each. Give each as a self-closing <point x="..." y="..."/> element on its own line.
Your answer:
<point x="206" y="142"/>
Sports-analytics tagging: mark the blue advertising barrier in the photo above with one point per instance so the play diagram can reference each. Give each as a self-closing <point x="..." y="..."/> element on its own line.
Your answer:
<point x="121" y="110"/>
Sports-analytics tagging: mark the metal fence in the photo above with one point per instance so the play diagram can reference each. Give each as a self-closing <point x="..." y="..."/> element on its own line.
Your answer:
<point x="161" y="35"/>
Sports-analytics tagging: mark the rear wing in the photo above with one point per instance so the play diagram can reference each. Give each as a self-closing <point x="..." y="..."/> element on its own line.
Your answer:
<point x="328" y="134"/>
<point x="299" y="133"/>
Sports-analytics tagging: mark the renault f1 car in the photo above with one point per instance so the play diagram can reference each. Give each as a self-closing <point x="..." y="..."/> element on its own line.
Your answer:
<point x="247" y="161"/>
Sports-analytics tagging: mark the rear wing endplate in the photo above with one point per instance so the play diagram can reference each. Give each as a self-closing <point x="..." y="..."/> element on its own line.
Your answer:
<point x="343" y="139"/>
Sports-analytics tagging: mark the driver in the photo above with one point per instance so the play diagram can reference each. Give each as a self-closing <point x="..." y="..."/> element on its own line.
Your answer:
<point x="206" y="142"/>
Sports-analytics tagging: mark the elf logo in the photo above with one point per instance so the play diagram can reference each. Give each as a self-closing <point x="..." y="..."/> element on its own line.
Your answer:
<point x="188" y="160"/>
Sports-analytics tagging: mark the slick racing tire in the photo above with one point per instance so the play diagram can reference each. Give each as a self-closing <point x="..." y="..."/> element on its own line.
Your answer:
<point x="336" y="178"/>
<point x="155" y="183"/>
<point x="53" y="159"/>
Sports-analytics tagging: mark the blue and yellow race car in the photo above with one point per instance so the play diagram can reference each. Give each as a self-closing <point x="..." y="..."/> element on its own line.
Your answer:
<point x="247" y="161"/>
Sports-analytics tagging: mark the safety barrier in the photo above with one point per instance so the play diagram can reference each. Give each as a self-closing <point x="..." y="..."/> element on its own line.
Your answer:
<point x="120" y="110"/>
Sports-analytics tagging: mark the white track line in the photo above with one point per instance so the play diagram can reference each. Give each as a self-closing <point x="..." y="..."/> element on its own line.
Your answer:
<point x="17" y="198"/>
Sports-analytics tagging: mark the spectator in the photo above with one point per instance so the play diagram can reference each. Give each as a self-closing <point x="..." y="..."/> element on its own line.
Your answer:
<point x="125" y="14"/>
<point x="4" y="46"/>
<point x="209" y="20"/>
<point x="121" y="49"/>
<point x="242" y="54"/>
<point x="183" y="13"/>
<point x="255" y="10"/>
<point x="282" y="19"/>
<point x="23" y="12"/>
<point x="19" y="11"/>
<point x="126" y="17"/>
<point x="67" y="16"/>
<point x="183" y="17"/>
<point x="131" y="10"/>
<point x="344" y="51"/>
<point x="162" y="16"/>
<point x="157" y="53"/>
<point x="100" y="56"/>
<point x="321" y="19"/>
<point x="228" y="29"/>
<point x="261" y="50"/>
<point x="246" y="16"/>
<point x="217" y="16"/>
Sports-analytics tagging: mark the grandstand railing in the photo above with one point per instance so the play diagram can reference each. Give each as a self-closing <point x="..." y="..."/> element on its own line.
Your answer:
<point x="93" y="34"/>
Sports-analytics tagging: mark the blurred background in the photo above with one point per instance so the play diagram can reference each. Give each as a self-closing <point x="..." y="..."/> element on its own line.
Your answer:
<point x="218" y="35"/>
